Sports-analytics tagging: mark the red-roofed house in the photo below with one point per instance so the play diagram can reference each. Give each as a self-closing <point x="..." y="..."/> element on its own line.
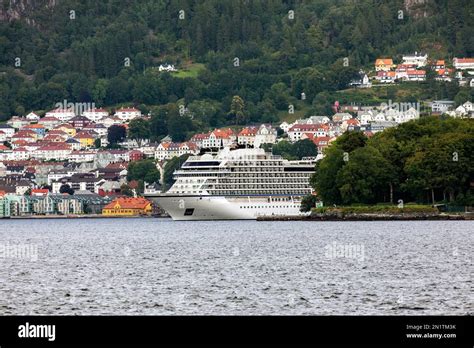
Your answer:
<point x="386" y="76"/>
<point x="59" y="151"/>
<point x="383" y="64"/>
<point x="26" y="135"/>
<point x="296" y="131"/>
<point x="246" y="136"/>
<point x="463" y="63"/>
<point x="166" y="150"/>
<point x="136" y="155"/>
<point x="49" y="122"/>
<point x="416" y="75"/>
<point x="219" y="138"/>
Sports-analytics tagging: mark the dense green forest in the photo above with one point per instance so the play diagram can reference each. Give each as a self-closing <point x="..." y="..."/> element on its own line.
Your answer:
<point x="428" y="160"/>
<point x="267" y="52"/>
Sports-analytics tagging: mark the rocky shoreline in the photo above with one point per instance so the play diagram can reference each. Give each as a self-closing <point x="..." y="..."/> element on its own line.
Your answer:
<point x="370" y="217"/>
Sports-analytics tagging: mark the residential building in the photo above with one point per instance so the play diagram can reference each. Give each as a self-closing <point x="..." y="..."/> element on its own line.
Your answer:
<point x="18" y="122"/>
<point x="127" y="114"/>
<point x="32" y="117"/>
<point x="62" y="115"/>
<point x="86" y="139"/>
<point x="79" y="122"/>
<point x="49" y="122"/>
<point x="463" y="63"/>
<point x="441" y="106"/>
<point x="318" y="130"/>
<point x="167" y="150"/>
<point x="246" y="136"/>
<point x="416" y="59"/>
<point x="384" y="64"/>
<point x="266" y="134"/>
<point x="95" y="115"/>
<point x="386" y="76"/>
<point x="219" y="138"/>
<point x="416" y="75"/>
<point x="9" y="131"/>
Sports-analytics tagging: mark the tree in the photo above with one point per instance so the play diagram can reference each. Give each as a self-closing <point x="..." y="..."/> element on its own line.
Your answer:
<point x="116" y="134"/>
<point x="308" y="202"/>
<point x="365" y="177"/>
<point x="65" y="188"/>
<point x="304" y="148"/>
<point x="139" y="129"/>
<point x="326" y="171"/>
<point x="237" y="110"/>
<point x="144" y="170"/>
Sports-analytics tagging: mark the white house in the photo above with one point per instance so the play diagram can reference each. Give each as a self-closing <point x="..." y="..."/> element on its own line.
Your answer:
<point x="95" y="114"/>
<point x="110" y="121"/>
<point x="219" y="138"/>
<point x="285" y="126"/>
<point x="127" y="114"/>
<point x="415" y="59"/>
<point x="296" y="132"/>
<point x="8" y="130"/>
<point x="18" y="122"/>
<point x="82" y="156"/>
<point x="416" y="75"/>
<point x="167" y="150"/>
<point x="266" y="134"/>
<point x="58" y="151"/>
<point x="441" y="106"/>
<point x="365" y="118"/>
<point x="62" y="115"/>
<point x="20" y="154"/>
<point x="463" y="63"/>
<point x="32" y="117"/>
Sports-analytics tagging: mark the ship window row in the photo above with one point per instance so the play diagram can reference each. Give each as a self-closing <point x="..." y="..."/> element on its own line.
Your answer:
<point x="268" y="206"/>
<point x="264" y="181"/>
<point x="258" y="192"/>
<point x="261" y="186"/>
<point x="256" y="169"/>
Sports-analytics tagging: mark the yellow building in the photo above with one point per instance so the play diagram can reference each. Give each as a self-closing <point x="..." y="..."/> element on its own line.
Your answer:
<point x="85" y="138"/>
<point x="128" y="206"/>
<point x="67" y="128"/>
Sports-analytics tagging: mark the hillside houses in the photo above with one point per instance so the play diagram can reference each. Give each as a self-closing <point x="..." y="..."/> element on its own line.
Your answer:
<point x="168" y="150"/>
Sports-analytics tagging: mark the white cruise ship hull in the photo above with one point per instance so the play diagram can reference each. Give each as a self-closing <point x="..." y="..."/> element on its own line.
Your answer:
<point x="226" y="208"/>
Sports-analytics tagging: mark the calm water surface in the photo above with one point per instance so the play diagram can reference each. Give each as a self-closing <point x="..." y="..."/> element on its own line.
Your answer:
<point x="158" y="266"/>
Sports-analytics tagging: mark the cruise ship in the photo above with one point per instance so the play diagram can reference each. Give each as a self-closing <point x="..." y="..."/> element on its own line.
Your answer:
<point x="240" y="184"/>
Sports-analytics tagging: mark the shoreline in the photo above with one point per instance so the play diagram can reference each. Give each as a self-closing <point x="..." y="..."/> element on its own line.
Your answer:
<point x="372" y="217"/>
<point x="88" y="216"/>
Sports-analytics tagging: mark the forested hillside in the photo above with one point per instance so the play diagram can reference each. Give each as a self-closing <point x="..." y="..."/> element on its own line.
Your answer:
<point x="266" y="52"/>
